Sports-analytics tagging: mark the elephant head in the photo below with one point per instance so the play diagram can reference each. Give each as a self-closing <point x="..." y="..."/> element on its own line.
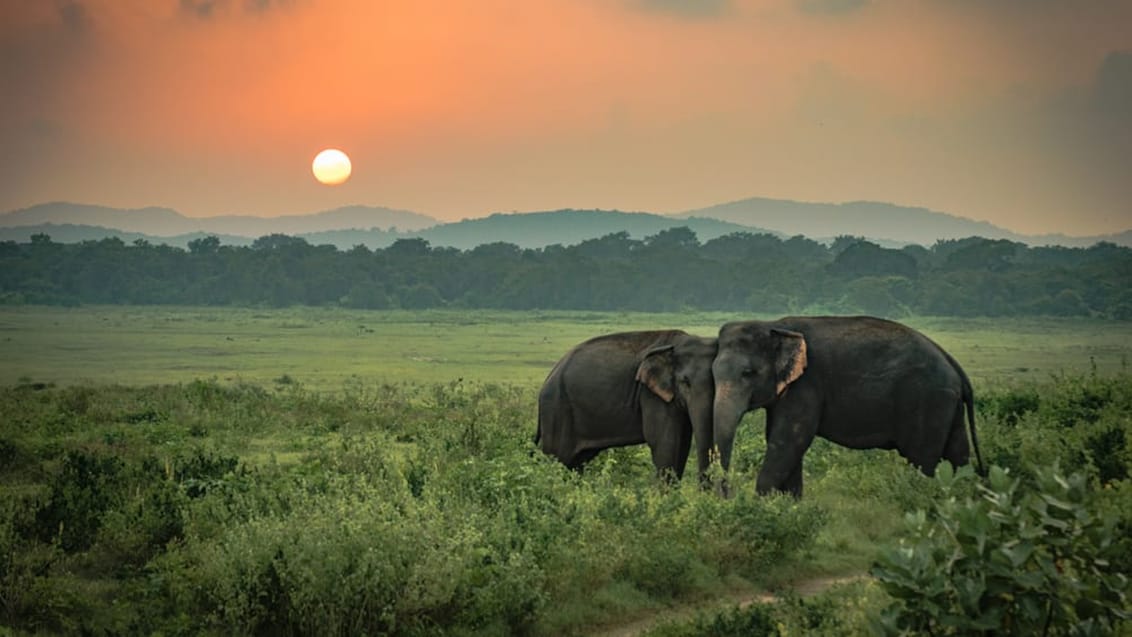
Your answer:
<point x="680" y="372"/>
<point x="755" y="364"/>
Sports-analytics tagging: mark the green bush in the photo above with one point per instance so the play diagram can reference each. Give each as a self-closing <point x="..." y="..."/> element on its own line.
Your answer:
<point x="406" y="509"/>
<point x="1008" y="557"/>
<point x="363" y="558"/>
<point x="86" y="486"/>
<point x="1079" y="422"/>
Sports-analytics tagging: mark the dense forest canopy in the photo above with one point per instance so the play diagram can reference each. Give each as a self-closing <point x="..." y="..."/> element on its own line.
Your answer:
<point x="671" y="270"/>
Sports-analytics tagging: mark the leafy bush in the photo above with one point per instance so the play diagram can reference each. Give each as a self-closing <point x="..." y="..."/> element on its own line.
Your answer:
<point x="838" y="611"/>
<point x="85" y="487"/>
<point x="1007" y="557"/>
<point x="406" y="509"/>
<point x="1079" y="422"/>
<point x="756" y="619"/>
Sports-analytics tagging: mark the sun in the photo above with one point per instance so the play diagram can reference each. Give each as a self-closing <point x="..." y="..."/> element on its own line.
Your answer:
<point x="331" y="167"/>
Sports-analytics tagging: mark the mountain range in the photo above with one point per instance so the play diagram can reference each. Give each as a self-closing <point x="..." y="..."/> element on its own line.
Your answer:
<point x="165" y="222"/>
<point x="378" y="227"/>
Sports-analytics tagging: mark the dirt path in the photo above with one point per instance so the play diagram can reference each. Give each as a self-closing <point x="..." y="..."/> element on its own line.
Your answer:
<point x="639" y="625"/>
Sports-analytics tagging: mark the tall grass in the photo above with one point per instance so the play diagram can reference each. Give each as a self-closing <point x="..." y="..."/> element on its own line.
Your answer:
<point x="218" y="508"/>
<point x="406" y="510"/>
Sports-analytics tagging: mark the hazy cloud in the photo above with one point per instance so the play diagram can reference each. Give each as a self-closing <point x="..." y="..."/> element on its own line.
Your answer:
<point x="688" y="8"/>
<point x="991" y="110"/>
<point x="1112" y="95"/>
<point x="199" y="8"/>
<point x="207" y="9"/>
<point x="74" y="16"/>
<point x="830" y="7"/>
<point x="259" y="6"/>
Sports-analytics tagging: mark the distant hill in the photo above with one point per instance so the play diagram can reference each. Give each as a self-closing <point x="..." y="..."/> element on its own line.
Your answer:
<point x="526" y="230"/>
<point x="875" y="220"/>
<point x="530" y="229"/>
<point x="567" y="227"/>
<point x="375" y="227"/>
<point x="75" y="233"/>
<point x="164" y="222"/>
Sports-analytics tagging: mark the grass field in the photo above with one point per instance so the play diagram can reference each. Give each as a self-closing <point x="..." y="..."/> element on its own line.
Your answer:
<point x="321" y="348"/>
<point x="169" y="469"/>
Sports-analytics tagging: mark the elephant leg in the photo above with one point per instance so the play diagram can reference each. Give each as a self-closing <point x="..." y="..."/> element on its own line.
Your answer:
<point x="578" y="462"/>
<point x="790" y="432"/>
<point x="793" y="484"/>
<point x="670" y="453"/>
<point x="683" y="450"/>
<point x="930" y="428"/>
<point x="704" y="442"/>
<point x="668" y="433"/>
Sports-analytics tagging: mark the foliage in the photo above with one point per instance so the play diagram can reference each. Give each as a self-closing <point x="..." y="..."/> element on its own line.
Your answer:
<point x="211" y="507"/>
<point x="403" y="510"/>
<point x="1086" y="413"/>
<point x="840" y="611"/>
<point x="669" y="271"/>
<point x="1008" y="557"/>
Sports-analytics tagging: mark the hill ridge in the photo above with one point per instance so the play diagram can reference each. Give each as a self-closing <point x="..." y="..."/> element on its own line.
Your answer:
<point x="888" y="224"/>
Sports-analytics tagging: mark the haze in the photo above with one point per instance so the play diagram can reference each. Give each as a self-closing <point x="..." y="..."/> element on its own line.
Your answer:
<point x="1016" y="112"/>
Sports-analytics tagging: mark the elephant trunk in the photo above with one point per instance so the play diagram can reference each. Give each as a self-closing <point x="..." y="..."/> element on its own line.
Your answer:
<point x="701" y="417"/>
<point x="728" y="411"/>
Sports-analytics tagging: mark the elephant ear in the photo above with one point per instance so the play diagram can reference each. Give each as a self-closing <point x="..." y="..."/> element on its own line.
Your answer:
<point x="656" y="371"/>
<point x="791" y="359"/>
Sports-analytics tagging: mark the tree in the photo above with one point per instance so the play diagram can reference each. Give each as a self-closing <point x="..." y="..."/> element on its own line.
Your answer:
<point x="278" y="241"/>
<point x="416" y="247"/>
<point x="865" y="258"/>
<point x="204" y="245"/>
<point x="679" y="238"/>
<point x="984" y="254"/>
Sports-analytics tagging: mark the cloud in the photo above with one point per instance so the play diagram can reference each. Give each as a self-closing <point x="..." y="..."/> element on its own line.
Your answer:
<point x="1112" y="93"/>
<point x="202" y="9"/>
<point x="688" y="8"/>
<point x="830" y="7"/>
<point x="208" y="9"/>
<point x="259" y="6"/>
<point x="74" y="16"/>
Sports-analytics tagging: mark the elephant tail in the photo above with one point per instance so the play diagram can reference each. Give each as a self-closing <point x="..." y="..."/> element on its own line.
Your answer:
<point x="969" y="399"/>
<point x="969" y="402"/>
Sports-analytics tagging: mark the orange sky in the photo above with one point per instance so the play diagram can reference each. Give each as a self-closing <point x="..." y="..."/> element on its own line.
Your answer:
<point x="1018" y="112"/>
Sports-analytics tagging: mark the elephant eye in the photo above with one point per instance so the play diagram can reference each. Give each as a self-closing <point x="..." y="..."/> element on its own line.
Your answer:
<point x="685" y="381"/>
<point x="749" y="372"/>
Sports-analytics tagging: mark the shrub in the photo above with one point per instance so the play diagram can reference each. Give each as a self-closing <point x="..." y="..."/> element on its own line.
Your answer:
<point x="1007" y="557"/>
<point x="87" y="485"/>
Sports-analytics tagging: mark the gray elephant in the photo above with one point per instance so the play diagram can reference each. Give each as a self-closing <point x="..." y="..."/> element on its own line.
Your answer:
<point x="627" y="388"/>
<point x="861" y="382"/>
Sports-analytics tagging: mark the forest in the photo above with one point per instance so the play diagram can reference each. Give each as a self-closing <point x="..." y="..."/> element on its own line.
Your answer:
<point x="669" y="271"/>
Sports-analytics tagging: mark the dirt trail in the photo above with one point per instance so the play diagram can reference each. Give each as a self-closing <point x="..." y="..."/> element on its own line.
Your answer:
<point x="639" y="625"/>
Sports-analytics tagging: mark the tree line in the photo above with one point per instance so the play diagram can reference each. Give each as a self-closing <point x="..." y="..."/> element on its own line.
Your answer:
<point x="669" y="271"/>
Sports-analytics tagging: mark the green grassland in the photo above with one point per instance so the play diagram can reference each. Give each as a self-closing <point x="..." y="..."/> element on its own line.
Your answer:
<point x="248" y="471"/>
<point x="322" y="347"/>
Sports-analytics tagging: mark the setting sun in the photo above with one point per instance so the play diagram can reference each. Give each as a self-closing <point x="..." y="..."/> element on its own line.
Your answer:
<point x="331" y="167"/>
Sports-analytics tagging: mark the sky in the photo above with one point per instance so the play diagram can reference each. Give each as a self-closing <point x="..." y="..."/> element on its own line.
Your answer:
<point x="1016" y="112"/>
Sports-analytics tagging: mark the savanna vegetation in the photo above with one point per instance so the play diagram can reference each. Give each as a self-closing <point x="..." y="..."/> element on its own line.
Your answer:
<point x="669" y="271"/>
<point x="406" y="497"/>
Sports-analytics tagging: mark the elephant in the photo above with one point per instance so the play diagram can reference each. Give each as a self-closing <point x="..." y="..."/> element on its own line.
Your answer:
<point x="627" y="388"/>
<point x="858" y="381"/>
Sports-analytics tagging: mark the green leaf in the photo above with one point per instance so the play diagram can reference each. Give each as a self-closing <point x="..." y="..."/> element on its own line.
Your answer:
<point x="1018" y="553"/>
<point x="1058" y="503"/>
